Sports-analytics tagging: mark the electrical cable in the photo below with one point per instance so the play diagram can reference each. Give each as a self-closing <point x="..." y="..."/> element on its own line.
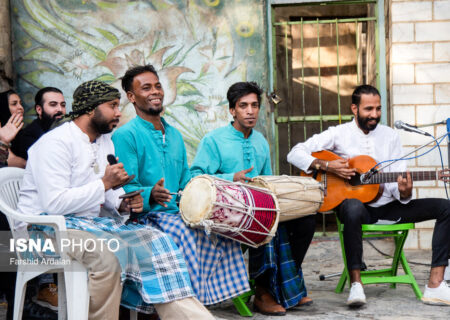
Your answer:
<point x="391" y="257"/>
<point x="392" y="160"/>
<point x="442" y="165"/>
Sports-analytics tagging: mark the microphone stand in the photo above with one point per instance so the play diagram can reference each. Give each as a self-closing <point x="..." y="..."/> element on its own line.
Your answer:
<point x="448" y="132"/>
<point x="448" y="142"/>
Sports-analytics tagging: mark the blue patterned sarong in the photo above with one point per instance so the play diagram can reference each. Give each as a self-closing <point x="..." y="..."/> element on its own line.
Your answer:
<point x="216" y="265"/>
<point x="287" y="285"/>
<point x="153" y="268"/>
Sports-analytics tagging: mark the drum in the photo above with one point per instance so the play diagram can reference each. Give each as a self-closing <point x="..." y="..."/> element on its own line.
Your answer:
<point x="244" y="213"/>
<point x="297" y="196"/>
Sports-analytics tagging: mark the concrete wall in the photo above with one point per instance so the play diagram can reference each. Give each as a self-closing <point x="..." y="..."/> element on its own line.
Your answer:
<point x="420" y="77"/>
<point x="5" y="47"/>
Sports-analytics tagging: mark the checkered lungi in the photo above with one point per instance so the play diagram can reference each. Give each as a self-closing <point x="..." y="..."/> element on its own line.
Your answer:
<point x="275" y="260"/>
<point x="153" y="268"/>
<point x="216" y="265"/>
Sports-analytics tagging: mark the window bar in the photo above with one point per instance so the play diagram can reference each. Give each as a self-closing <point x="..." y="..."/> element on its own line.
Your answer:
<point x="288" y="85"/>
<point x="337" y="72"/>
<point x="275" y="84"/>
<point x="303" y="79"/>
<point x="326" y="21"/>
<point x="358" y="66"/>
<point x="320" y="81"/>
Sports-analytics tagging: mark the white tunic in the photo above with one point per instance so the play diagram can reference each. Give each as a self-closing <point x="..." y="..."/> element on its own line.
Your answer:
<point x="348" y="140"/>
<point x="60" y="175"/>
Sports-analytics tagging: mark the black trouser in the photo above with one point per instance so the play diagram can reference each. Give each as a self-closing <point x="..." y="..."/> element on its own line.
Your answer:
<point x="353" y="213"/>
<point x="7" y="279"/>
<point x="300" y="233"/>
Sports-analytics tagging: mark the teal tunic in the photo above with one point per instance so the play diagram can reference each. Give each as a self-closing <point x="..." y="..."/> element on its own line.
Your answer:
<point x="216" y="268"/>
<point x="145" y="153"/>
<point x="222" y="153"/>
<point x="225" y="151"/>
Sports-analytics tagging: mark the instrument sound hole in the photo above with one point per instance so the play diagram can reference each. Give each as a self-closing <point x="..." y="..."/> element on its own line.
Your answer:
<point x="355" y="180"/>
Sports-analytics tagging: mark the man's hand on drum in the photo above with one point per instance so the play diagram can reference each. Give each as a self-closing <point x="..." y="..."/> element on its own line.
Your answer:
<point x="160" y="194"/>
<point x="240" y="176"/>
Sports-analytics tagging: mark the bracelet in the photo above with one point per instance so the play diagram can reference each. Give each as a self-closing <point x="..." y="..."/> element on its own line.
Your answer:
<point x="326" y="166"/>
<point x="6" y="145"/>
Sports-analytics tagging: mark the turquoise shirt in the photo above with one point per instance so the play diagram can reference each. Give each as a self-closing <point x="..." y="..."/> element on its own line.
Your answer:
<point x="144" y="153"/>
<point x="225" y="151"/>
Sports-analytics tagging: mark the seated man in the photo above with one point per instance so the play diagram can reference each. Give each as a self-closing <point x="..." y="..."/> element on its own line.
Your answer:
<point x="237" y="152"/>
<point x="67" y="173"/>
<point x="363" y="136"/>
<point x="154" y="151"/>
<point x="50" y="106"/>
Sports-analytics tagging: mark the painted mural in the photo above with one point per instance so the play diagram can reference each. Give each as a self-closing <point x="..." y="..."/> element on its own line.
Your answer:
<point x="199" y="48"/>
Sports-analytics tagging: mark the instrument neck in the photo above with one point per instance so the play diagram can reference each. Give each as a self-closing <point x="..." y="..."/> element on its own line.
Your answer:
<point x="387" y="177"/>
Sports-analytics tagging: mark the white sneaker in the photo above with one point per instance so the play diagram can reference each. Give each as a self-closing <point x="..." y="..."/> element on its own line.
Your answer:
<point x="439" y="296"/>
<point x="356" y="298"/>
<point x="447" y="272"/>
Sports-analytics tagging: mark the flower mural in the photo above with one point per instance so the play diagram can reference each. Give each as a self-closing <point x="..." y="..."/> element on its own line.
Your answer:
<point x="198" y="47"/>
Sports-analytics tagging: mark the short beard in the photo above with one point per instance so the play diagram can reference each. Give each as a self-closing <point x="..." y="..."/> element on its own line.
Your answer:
<point x="152" y="112"/>
<point x="363" y="122"/>
<point x="99" y="123"/>
<point x="47" y="121"/>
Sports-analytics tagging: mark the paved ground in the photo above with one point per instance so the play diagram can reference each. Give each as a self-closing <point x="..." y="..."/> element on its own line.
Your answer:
<point x="383" y="303"/>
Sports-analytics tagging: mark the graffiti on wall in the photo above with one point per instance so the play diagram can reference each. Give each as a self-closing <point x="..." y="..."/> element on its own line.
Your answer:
<point x="198" y="47"/>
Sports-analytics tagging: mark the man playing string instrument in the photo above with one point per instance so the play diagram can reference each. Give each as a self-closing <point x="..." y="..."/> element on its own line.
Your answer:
<point x="364" y="136"/>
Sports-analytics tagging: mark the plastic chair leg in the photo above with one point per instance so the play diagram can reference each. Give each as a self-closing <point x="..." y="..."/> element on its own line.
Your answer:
<point x="62" y="301"/>
<point x="77" y="292"/>
<point x="19" y="298"/>
<point x="241" y="307"/>
<point x="133" y="315"/>
<point x="341" y="284"/>
<point x="408" y="271"/>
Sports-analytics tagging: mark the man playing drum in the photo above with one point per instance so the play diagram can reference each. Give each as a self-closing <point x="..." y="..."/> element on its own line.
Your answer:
<point x="236" y="152"/>
<point x="363" y="136"/>
<point x="154" y="151"/>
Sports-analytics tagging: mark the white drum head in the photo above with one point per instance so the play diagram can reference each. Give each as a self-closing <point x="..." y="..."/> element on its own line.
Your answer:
<point x="197" y="200"/>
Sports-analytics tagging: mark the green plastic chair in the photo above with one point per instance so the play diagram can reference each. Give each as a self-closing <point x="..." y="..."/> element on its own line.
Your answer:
<point x="240" y="302"/>
<point x="399" y="232"/>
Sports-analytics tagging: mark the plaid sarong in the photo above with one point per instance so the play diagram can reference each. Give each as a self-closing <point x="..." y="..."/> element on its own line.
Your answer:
<point x="274" y="259"/>
<point x="153" y="268"/>
<point x="216" y="264"/>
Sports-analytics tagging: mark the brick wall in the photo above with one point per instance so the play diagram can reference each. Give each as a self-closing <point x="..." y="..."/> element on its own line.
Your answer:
<point x="420" y="92"/>
<point x="5" y="47"/>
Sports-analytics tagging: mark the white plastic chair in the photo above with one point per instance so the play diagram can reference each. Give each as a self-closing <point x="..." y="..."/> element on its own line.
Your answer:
<point x="73" y="293"/>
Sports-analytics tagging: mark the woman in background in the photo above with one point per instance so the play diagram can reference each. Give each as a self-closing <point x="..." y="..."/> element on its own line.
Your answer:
<point x="11" y="119"/>
<point x="11" y="116"/>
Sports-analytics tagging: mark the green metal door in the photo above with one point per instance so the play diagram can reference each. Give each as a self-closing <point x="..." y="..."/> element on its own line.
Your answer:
<point x="320" y="52"/>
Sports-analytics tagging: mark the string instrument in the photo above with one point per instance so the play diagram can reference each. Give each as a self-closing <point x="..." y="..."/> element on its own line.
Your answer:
<point x="361" y="187"/>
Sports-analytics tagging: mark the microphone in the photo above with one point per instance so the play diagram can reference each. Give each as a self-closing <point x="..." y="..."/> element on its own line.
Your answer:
<point x="407" y="127"/>
<point x="112" y="161"/>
